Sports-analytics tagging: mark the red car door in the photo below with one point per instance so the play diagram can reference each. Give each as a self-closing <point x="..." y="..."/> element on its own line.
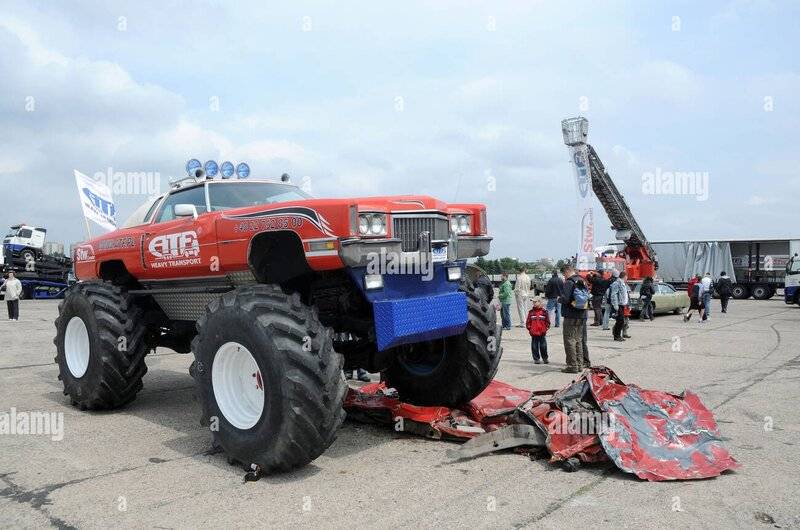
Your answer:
<point x="182" y="247"/>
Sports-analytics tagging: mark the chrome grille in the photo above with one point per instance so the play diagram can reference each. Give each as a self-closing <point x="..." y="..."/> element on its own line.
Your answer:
<point x="408" y="228"/>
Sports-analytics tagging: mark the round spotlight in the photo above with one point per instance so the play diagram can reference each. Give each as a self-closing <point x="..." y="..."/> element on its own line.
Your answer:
<point x="226" y="169"/>
<point x="211" y="168"/>
<point x="192" y="165"/>
<point x="242" y="170"/>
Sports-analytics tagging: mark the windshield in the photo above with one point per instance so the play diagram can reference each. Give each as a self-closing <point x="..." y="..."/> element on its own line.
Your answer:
<point x="13" y="233"/>
<point x="793" y="267"/>
<point x="225" y="195"/>
<point x="142" y="214"/>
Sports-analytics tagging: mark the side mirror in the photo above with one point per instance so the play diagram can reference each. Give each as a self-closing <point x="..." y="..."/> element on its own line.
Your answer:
<point x="186" y="210"/>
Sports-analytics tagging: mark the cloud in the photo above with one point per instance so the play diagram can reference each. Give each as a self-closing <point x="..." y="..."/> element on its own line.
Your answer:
<point x="739" y="10"/>
<point x="668" y="81"/>
<point x="480" y="89"/>
<point x="759" y="200"/>
<point x="61" y="113"/>
<point x="477" y="103"/>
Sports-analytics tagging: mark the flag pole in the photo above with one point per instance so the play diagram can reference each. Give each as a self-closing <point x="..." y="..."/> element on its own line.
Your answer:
<point x="88" y="230"/>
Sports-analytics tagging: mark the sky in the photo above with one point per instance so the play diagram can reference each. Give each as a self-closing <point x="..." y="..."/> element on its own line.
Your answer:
<point x="458" y="100"/>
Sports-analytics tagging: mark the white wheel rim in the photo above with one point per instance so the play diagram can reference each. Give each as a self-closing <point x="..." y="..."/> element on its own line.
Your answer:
<point x="238" y="385"/>
<point x="76" y="347"/>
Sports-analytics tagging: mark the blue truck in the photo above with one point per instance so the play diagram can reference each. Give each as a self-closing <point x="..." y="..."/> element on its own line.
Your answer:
<point x="44" y="273"/>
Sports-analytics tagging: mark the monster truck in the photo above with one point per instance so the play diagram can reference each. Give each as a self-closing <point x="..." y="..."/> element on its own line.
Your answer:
<point x="275" y="293"/>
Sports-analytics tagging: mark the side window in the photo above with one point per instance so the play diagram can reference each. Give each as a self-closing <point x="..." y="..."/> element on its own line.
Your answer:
<point x="25" y="232"/>
<point x="196" y="196"/>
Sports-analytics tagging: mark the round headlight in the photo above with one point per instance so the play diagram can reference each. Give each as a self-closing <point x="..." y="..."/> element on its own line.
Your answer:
<point x="377" y="224"/>
<point x="363" y="224"/>
<point x="454" y="225"/>
<point x="463" y="224"/>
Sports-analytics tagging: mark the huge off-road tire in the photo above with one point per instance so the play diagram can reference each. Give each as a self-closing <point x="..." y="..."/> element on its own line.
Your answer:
<point x="453" y="370"/>
<point x="100" y="343"/>
<point x="270" y="382"/>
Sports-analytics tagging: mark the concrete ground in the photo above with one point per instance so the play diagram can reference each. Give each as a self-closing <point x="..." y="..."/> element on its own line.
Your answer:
<point x="149" y="465"/>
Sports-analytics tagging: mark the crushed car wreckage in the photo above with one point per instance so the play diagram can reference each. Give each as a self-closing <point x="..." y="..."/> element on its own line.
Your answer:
<point x="653" y="434"/>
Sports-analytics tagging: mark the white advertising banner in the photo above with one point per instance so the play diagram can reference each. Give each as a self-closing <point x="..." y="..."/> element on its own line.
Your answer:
<point x="583" y="179"/>
<point x="96" y="201"/>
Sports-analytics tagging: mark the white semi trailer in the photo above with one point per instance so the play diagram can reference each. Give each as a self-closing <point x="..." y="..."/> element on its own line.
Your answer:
<point x="757" y="267"/>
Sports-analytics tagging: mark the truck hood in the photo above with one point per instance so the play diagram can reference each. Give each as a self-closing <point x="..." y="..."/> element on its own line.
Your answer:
<point x="395" y="203"/>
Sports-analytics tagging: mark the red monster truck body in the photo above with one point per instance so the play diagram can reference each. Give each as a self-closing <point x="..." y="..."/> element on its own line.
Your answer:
<point x="275" y="292"/>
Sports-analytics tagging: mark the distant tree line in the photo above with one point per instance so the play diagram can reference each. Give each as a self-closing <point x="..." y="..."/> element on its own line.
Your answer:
<point x="512" y="265"/>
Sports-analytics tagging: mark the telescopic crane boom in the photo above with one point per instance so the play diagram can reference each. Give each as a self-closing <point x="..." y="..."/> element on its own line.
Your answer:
<point x="638" y="254"/>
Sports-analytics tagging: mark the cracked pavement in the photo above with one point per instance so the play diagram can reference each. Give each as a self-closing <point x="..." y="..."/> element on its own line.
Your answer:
<point x="150" y="465"/>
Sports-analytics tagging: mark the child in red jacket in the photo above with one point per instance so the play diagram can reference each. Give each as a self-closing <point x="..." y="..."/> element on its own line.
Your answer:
<point x="538" y="322"/>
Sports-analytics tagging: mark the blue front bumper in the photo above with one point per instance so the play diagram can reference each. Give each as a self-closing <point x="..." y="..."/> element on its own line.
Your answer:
<point x="409" y="309"/>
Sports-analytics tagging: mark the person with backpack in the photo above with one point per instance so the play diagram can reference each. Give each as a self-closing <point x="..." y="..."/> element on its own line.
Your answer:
<point x="538" y="322"/>
<point x="620" y="300"/>
<point x="646" y="292"/>
<point x="574" y="304"/>
<point x="724" y="288"/>
<point x="552" y="292"/>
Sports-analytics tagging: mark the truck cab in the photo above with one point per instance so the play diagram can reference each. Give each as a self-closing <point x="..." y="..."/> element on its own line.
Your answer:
<point x="791" y="290"/>
<point x="24" y="241"/>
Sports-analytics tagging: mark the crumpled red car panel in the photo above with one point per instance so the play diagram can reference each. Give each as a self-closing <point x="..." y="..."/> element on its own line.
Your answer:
<point x="657" y="435"/>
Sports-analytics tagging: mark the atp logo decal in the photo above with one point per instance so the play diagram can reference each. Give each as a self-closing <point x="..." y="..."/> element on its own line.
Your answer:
<point x="174" y="250"/>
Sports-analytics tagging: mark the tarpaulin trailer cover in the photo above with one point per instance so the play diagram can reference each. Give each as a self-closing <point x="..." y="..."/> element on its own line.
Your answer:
<point x="680" y="261"/>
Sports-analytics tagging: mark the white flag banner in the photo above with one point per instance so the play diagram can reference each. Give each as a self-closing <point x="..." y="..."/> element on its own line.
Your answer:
<point x="96" y="200"/>
<point x="583" y="179"/>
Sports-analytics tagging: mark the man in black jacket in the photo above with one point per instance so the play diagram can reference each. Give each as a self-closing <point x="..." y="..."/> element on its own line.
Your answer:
<point x="552" y="291"/>
<point x="599" y="286"/>
<point x="724" y="289"/>
<point x="574" y="322"/>
<point x="646" y="292"/>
